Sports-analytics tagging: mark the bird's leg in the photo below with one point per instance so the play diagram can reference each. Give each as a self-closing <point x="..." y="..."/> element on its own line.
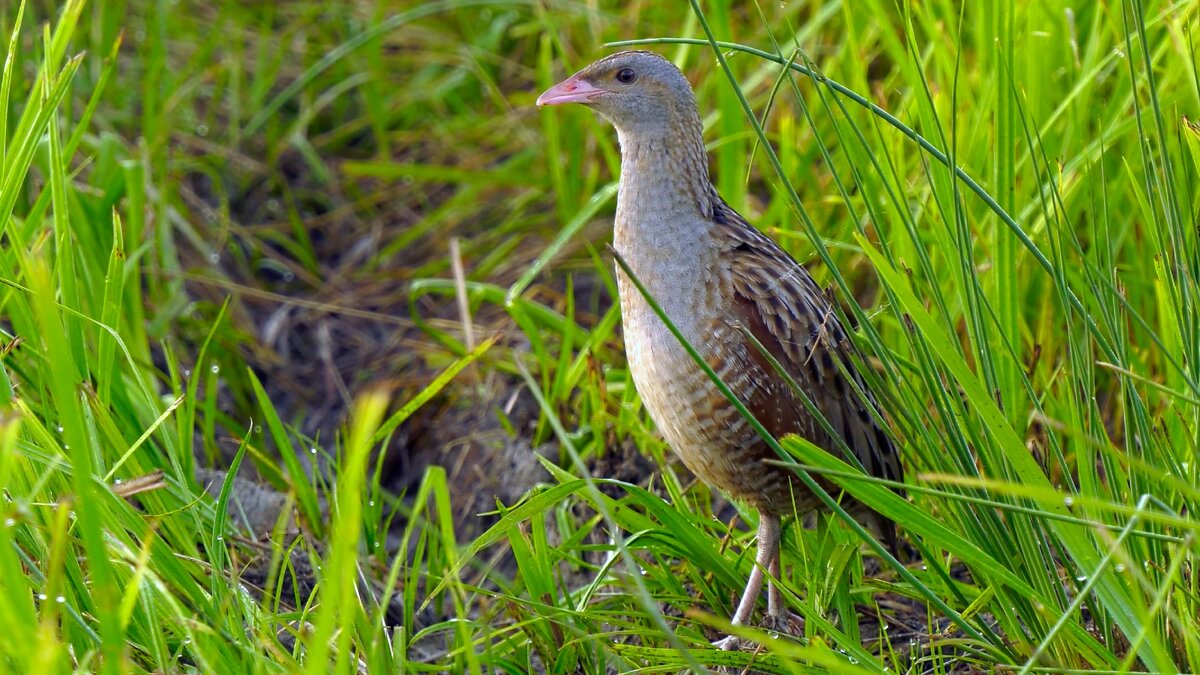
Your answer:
<point x="767" y="559"/>
<point x="775" y="610"/>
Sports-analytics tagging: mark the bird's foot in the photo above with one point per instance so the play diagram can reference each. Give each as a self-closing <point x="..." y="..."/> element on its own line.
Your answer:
<point x="778" y="624"/>
<point x="774" y="625"/>
<point x="729" y="643"/>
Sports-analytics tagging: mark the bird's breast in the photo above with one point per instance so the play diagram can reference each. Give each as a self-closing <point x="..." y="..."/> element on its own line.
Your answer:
<point x="673" y="255"/>
<point x="693" y="415"/>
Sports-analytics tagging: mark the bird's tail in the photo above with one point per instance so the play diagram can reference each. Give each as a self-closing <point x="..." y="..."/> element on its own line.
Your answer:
<point x="885" y="531"/>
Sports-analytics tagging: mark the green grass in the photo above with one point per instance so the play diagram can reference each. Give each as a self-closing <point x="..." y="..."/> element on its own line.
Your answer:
<point x="1002" y="196"/>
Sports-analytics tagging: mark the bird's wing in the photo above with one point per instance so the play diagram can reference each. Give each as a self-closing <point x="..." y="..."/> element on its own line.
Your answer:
<point x="781" y="305"/>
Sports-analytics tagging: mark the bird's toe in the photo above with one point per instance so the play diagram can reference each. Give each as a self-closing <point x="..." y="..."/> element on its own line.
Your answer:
<point x="729" y="643"/>
<point x="778" y="624"/>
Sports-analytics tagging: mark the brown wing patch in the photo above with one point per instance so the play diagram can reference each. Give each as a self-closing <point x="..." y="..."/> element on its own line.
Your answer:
<point x="778" y="302"/>
<point x="775" y="406"/>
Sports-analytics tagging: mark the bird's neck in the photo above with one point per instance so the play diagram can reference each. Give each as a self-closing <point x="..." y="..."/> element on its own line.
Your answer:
<point x="666" y="169"/>
<point x="665" y="198"/>
<point x="664" y="223"/>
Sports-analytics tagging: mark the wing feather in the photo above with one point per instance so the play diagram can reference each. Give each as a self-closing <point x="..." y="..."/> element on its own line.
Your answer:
<point x="779" y="303"/>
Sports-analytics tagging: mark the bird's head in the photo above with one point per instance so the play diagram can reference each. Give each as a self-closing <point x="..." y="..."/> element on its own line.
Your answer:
<point x="639" y="92"/>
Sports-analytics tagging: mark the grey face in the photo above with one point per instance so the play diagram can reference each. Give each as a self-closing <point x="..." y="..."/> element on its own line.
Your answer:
<point x="639" y="92"/>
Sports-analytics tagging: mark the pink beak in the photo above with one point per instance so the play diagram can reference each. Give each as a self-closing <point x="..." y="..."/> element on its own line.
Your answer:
<point x="574" y="89"/>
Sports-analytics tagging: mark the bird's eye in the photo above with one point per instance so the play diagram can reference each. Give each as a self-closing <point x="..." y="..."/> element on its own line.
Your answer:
<point x="626" y="76"/>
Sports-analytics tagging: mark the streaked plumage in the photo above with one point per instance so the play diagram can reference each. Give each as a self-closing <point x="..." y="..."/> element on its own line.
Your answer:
<point x="716" y="276"/>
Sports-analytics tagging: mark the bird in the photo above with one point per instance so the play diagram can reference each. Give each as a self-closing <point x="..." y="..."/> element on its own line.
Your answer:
<point x="720" y="280"/>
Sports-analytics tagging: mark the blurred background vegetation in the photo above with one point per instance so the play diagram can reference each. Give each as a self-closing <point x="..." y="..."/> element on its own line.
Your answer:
<point x="334" y="250"/>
